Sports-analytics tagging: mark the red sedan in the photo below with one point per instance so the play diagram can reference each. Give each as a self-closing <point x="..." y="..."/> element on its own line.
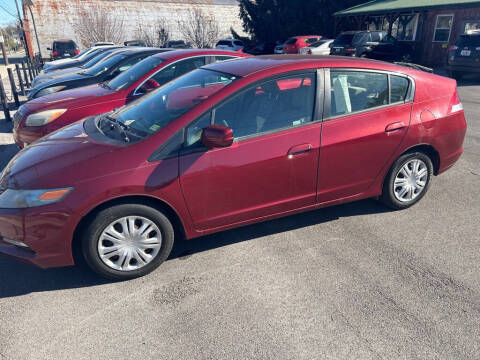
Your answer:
<point x="294" y="44"/>
<point x="226" y="145"/>
<point x="43" y="115"/>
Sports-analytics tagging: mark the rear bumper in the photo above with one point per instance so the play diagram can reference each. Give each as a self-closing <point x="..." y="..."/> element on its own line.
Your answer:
<point x="47" y="233"/>
<point x="464" y="68"/>
<point x="450" y="160"/>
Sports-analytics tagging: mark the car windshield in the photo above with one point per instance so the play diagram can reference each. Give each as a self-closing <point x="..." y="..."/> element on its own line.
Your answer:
<point x="156" y="110"/>
<point x="291" y="41"/>
<point x="359" y="38"/>
<point x="344" y="39"/>
<point x="224" y="43"/>
<point x="318" y="43"/>
<point x="96" y="59"/>
<point x="128" y="77"/>
<point x="468" y="40"/>
<point x="104" y="65"/>
<point x="64" y="45"/>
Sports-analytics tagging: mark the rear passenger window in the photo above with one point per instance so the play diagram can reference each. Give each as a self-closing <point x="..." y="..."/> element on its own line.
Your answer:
<point x="269" y="106"/>
<point x="356" y="91"/>
<point x="399" y="88"/>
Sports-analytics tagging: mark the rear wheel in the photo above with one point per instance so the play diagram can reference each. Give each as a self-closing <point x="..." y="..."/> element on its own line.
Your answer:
<point x="127" y="241"/>
<point x="407" y="181"/>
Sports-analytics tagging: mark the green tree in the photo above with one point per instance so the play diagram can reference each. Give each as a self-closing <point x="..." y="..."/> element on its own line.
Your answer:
<point x="271" y="20"/>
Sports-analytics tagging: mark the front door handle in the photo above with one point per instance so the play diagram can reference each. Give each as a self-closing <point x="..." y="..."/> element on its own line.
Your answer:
<point x="299" y="150"/>
<point x="394" y="126"/>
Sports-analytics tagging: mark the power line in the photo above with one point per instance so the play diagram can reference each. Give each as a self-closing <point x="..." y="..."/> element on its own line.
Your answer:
<point x="7" y="11"/>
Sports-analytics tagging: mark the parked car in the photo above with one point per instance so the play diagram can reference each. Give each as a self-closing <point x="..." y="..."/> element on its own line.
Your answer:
<point x="356" y="43"/>
<point x="75" y="62"/>
<point x="294" y="44"/>
<point x="229" y="144"/>
<point x="102" y="56"/>
<point x="41" y="116"/>
<point x="321" y="47"/>
<point x="99" y="73"/>
<point x="279" y="47"/>
<point x="135" y="43"/>
<point x="230" y="44"/>
<point x="178" y="44"/>
<point x="464" y="56"/>
<point x="390" y="49"/>
<point x="62" y="49"/>
<point x="102" y="43"/>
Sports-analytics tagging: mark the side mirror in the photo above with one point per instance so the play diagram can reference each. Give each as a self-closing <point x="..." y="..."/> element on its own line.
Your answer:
<point x="49" y="49"/>
<point x="217" y="136"/>
<point x="149" y="85"/>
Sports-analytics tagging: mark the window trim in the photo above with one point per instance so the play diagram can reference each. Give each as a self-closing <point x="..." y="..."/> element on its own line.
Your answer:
<point x="327" y="98"/>
<point x="134" y="93"/>
<point x="449" y="30"/>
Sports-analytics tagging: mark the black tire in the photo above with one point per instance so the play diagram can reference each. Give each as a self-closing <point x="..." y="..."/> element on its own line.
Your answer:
<point x="388" y="196"/>
<point x="104" y="218"/>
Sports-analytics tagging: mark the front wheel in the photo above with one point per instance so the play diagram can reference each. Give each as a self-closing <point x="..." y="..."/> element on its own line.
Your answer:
<point x="407" y="181"/>
<point x="127" y="241"/>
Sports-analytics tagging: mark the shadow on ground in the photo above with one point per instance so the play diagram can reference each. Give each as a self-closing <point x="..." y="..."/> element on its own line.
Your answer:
<point x="17" y="278"/>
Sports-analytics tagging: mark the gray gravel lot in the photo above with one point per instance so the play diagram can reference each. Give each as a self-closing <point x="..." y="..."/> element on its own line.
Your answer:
<point x="355" y="281"/>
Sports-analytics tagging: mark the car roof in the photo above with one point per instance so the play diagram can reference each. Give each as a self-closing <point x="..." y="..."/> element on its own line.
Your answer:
<point x="181" y="53"/>
<point x="284" y="63"/>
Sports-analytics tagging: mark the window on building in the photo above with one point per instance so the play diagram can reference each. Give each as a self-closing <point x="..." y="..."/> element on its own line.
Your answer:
<point x="407" y="28"/>
<point x="471" y="25"/>
<point x="443" y="26"/>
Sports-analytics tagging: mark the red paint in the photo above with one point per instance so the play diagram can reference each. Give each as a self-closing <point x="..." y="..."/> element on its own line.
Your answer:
<point x="303" y="168"/>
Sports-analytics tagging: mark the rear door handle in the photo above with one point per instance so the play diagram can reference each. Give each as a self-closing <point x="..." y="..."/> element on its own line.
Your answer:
<point x="394" y="126"/>
<point x="299" y="150"/>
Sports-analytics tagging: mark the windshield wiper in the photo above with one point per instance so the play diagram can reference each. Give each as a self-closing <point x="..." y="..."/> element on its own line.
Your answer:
<point x="121" y="125"/>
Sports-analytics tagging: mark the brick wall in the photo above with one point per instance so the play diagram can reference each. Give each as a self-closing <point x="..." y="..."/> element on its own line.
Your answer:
<point x="55" y="19"/>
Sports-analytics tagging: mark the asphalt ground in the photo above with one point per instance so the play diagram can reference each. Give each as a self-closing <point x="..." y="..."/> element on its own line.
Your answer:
<point x="355" y="281"/>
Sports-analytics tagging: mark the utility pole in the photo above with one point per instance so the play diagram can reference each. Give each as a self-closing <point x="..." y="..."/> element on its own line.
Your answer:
<point x="23" y="29"/>
<point x="4" y="50"/>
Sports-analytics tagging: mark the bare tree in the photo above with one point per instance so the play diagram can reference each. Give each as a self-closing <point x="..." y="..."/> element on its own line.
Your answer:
<point x="98" y="25"/>
<point x="199" y="28"/>
<point x="158" y="36"/>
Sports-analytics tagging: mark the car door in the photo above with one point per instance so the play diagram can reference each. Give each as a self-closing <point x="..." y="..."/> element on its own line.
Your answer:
<point x="364" y="124"/>
<point x="271" y="166"/>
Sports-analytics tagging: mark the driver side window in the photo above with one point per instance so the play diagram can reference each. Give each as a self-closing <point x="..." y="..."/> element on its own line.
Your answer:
<point x="193" y="133"/>
<point x="273" y="105"/>
<point x="178" y="69"/>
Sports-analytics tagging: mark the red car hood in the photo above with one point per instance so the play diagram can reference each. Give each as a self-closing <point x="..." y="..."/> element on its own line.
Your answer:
<point x="58" y="160"/>
<point x="74" y="98"/>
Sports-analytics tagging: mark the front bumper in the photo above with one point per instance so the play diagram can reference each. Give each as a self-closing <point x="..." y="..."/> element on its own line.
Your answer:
<point x="26" y="136"/>
<point x="47" y="232"/>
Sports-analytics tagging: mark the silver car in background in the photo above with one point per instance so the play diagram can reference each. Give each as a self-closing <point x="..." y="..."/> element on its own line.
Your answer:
<point x="321" y="47"/>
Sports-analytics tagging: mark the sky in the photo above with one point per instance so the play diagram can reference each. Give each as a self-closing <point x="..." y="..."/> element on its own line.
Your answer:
<point x="8" y="11"/>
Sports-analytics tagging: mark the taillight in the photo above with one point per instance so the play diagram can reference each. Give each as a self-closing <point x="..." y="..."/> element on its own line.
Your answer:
<point x="55" y="53"/>
<point x="309" y="51"/>
<point x="456" y="103"/>
<point x="77" y="52"/>
<point x="350" y="50"/>
<point x="453" y="48"/>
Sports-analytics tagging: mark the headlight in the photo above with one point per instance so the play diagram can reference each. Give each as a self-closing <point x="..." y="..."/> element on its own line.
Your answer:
<point x="21" y="199"/>
<point x="49" y="90"/>
<point x="44" y="117"/>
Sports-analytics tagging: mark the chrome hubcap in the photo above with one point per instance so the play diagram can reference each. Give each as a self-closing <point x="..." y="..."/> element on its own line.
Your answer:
<point x="411" y="180"/>
<point x="129" y="243"/>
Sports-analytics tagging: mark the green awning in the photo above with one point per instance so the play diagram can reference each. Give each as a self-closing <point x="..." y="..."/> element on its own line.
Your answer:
<point x="378" y="7"/>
